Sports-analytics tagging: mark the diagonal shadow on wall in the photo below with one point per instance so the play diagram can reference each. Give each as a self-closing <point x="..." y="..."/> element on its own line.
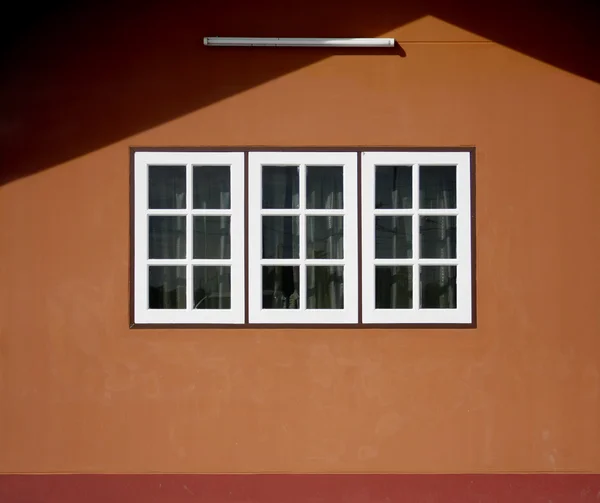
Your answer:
<point x="77" y="78"/>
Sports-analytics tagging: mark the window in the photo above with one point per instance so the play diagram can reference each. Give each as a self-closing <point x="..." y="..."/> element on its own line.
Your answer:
<point x="189" y="245"/>
<point x="416" y="236"/>
<point x="303" y="249"/>
<point x="359" y="237"/>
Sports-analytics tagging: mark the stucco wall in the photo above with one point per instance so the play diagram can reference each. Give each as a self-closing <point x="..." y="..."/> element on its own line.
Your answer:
<point x="81" y="392"/>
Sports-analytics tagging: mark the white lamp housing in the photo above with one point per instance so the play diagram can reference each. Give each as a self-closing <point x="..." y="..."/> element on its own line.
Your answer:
<point x="298" y="42"/>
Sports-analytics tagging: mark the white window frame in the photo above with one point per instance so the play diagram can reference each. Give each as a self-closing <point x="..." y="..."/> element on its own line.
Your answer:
<point x="462" y="314"/>
<point x="349" y="313"/>
<point x="142" y="313"/>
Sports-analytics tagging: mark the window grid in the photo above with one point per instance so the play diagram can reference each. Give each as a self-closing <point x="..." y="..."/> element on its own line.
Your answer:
<point x="142" y="312"/>
<point x="260" y="161"/>
<point x="245" y="312"/>
<point x="417" y="314"/>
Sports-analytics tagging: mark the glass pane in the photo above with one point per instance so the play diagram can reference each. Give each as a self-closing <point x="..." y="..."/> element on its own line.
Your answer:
<point x="393" y="237"/>
<point x="166" y="287"/>
<point x="212" y="187"/>
<point x="166" y="187"/>
<point x="393" y="287"/>
<point x="212" y="287"/>
<point x="438" y="237"/>
<point x="437" y="187"/>
<point x="325" y="237"/>
<point x="166" y="237"/>
<point x="281" y="287"/>
<point x="438" y="287"/>
<point x="212" y="237"/>
<point x="393" y="187"/>
<point x="280" y="187"/>
<point x="325" y="187"/>
<point x="280" y="237"/>
<point x="325" y="287"/>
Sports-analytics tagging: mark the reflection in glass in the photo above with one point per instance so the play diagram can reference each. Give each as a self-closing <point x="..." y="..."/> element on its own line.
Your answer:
<point x="280" y="237"/>
<point x="438" y="287"/>
<point x="281" y="287"/>
<point x="166" y="237"/>
<point x="325" y="287"/>
<point x="393" y="287"/>
<point x="393" y="237"/>
<point x="324" y="187"/>
<point x="393" y="187"/>
<point x="437" y="187"/>
<point x="438" y="237"/>
<point x="212" y="238"/>
<point x="325" y="237"/>
<point x="166" y="187"/>
<point x="212" y="187"/>
<point x="166" y="287"/>
<point x="280" y="187"/>
<point x="212" y="287"/>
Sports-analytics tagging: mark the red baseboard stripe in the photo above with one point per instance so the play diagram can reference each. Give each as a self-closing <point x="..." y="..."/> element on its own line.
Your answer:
<point x="163" y="488"/>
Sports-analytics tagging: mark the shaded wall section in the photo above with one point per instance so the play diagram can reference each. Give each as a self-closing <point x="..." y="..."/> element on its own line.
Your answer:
<point x="80" y="392"/>
<point x="78" y="77"/>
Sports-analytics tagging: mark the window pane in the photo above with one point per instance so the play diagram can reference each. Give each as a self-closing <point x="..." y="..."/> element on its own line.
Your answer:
<point x="212" y="187"/>
<point x="393" y="187"/>
<point x="393" y="237"/>
<point x="438" y="287"/>
<point x="281" y="287"/>
<point x="280" y="237"/>
<point x="325" y="187"/>
<point x="325" y="237"/>
<point x="438" y="237"/>
<point x="280" y="187"/>
<point x="437" y="187"/>
<point x="393" y="287"/>
<point x="166" y="287"/>
<point x="212" y="238"/>
<point x="166" y="187"/>
<point x="325" y="287"/>
<point x="212" y="287"/>
<point x="166" y="237"/>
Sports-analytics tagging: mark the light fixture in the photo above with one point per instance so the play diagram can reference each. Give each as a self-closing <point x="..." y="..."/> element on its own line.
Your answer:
<point x="299" y="42"/>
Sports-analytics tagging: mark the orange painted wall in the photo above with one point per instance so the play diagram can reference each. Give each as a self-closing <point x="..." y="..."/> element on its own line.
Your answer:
<point x="81" y="392"/>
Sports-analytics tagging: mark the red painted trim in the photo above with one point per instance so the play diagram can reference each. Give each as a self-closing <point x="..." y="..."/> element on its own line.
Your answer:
<point x="559" y="488"/>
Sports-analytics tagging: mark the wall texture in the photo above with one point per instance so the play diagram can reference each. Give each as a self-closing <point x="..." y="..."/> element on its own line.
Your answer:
<point x="81" y="392"/>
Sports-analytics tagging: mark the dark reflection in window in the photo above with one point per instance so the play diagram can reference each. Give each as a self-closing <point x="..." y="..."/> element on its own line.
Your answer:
<point x="166" y="237"/>
<point x="325" y="287"/>
<point x="212" y="187"/>
<point x="393" y="287"/>
<point x="393" y="237"/>
<point x="438" y="237"/>
<point x="281" y="287"/>
<point x="212" y="238"/>
<point x="393" y="187"/>
<point x="437" y="187"/>
<point x="280" y="187"/>
<point x="438" y="287"/>
<point x="325" y="187"/>
<point x="280" y="236"/>
<point x="212" y="287"/>
<point x="324" y="237"/>
<point x="166" y="287"/>
<point x="166" y="187"/>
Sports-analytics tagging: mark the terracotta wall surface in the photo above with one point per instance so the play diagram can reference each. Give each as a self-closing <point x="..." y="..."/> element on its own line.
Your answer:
<point x="81" y="392"/>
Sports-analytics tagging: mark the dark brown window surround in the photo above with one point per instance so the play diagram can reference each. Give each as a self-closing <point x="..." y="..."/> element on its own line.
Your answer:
<point x="358" y="150"/>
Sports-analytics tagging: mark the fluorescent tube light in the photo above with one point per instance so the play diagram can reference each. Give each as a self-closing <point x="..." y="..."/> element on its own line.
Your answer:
<point x="299" y="42"/>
